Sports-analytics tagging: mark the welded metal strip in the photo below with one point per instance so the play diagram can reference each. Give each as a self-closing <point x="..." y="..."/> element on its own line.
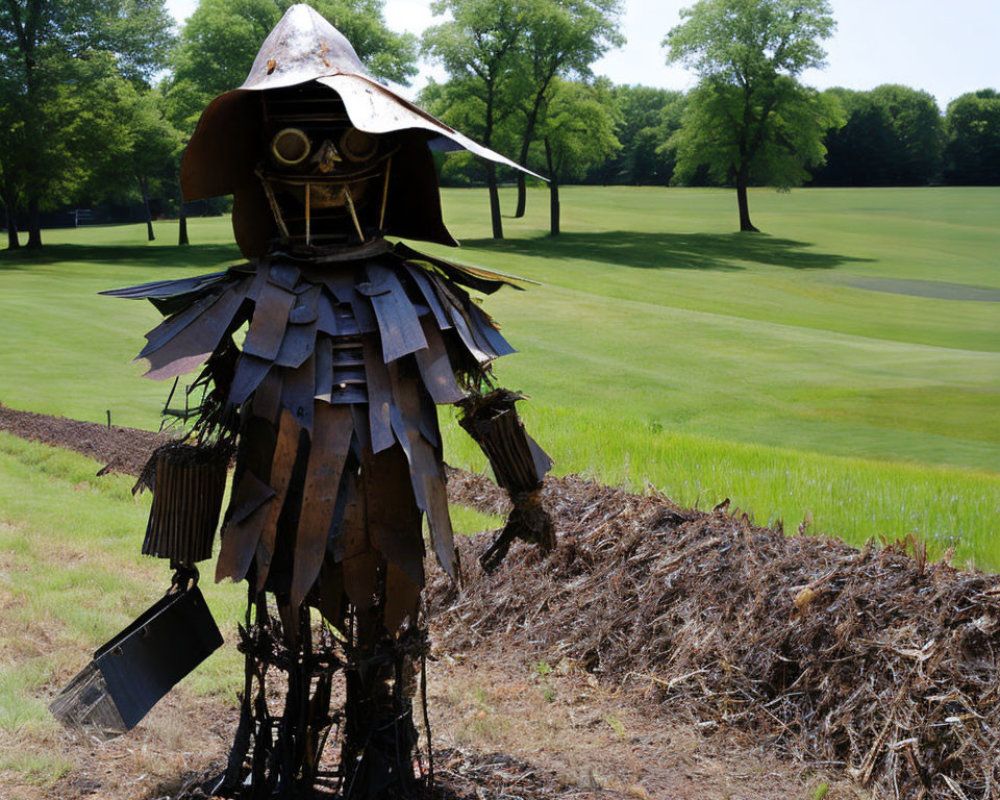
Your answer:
<point x="249" y="512"/>
<point x="426" y="470"/>
<point x="166" y="289"/>
<point x="297" y="392"/>
<point x="177" y="322"/>
<point x="250" y="371"/>
<point x="393" y="514"/>
<point x="326" y="316"/>
<point x="285" y="452"/>
<point x="270" y="318"/>
<point x="379" y="396"/>
<point x="324" y="368"/>
<point x="198" y="340"/>
<point x="331" y="442"/>
<point x="300" y="335"/>
<point x="402" y="598"/>
<point x="435" y="368"/>
<point x="493" y="338"/>
<point x="399" y="327"/>
<point x="360" y="563"/>
<point x="423" y="282"/>
<point x="284" y="275"/>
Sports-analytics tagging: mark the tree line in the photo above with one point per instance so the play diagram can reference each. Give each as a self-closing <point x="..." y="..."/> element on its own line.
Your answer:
<point x="98" y="99"/>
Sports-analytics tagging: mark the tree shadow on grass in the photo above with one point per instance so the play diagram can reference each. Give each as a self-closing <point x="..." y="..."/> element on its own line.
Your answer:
<point x="207" y="256"/>
<point x="701" y="251"/>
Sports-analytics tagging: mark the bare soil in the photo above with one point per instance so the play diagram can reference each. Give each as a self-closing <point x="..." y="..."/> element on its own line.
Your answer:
<point x="670" y="653"/>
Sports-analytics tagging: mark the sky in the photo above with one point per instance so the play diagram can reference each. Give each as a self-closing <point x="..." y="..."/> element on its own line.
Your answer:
<point x="944" y="47"/>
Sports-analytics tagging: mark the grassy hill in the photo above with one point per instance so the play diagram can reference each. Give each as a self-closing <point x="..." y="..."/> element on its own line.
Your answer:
<point x="842" y="368"/>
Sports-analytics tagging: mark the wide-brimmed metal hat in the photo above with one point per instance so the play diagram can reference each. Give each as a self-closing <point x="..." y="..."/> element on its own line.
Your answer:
<point x="223" y="153"/>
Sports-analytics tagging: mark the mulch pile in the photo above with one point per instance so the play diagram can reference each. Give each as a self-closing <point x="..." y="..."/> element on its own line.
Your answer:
<point x="119" y="449"/>
<point x="872" y="660"/>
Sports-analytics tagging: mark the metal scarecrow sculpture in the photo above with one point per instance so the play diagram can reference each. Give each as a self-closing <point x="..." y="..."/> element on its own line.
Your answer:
<point x="323" y="360"/>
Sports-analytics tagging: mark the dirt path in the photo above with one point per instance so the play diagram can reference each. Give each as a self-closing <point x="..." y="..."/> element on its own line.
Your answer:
<point x="505" y="727"/>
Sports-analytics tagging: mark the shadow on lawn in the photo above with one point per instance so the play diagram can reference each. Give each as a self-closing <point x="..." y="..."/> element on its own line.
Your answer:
<point x="209" y="256"/>
<point x="703" y="251"/>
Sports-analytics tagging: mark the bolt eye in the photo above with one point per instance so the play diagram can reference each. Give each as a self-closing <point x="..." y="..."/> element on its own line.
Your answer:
<point x="290" y="146"/>
<point x="357" y="145"/>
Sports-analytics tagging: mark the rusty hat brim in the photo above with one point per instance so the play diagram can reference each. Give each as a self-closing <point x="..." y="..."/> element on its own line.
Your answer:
<point x="303" y="47"/>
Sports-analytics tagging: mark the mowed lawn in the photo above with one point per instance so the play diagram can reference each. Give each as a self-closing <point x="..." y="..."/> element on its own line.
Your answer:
<point x="841" y="368"/>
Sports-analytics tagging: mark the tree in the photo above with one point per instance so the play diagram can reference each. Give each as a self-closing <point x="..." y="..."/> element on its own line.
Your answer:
<point x="749" y="120"/>
<point x="647" y="118"/>
<point x="563" y="38"/>
<point x="973" y="150"/>
<point x="577" y="131"/>
<point x="42" y="43"/>
<point x="856" y="152"/>
<point x="916" y="134"/>
<point x="479" y="48"/>
<point x="893" y="136"/>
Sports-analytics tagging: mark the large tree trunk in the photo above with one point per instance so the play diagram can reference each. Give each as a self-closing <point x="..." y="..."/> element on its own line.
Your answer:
<point x="522" y="194"/>
<point x="13" y="240"/>
<point x="491" y="182"/>
<point x="34" y="225"/>
<point x="553" y="193"/>
<point x="742" y="179"/>
<point x="144" y="189"/>
<point x="182" y="228"/>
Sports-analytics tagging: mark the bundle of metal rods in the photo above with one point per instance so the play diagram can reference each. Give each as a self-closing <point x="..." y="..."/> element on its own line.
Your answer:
<point x="188" y="484"/>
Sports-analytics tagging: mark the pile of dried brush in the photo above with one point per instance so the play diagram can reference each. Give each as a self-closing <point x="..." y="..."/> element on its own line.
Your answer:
<point x="874" y="660"/>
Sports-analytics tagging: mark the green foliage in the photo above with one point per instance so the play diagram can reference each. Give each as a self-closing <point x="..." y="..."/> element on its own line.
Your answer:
<point x="775" y="151"/>
<point x="59" y="61"/>
<point x="478" y="49"/>
<point x="646" y="119"/>
<point x="578" y="127"/>
<point x="973" y="130"/>
<point x="893" y="136"/>
<point x="749" y="121"/>
<point x="916" y="134"/>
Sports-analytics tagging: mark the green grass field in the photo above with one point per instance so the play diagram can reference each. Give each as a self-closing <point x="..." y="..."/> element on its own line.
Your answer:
<point x="842" y="367"/>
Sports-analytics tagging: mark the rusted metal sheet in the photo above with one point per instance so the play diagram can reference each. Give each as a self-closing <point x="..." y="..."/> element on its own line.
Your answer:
<point x="402" y="598"/>
<point x="270" y="318"/>
<point x="364" y="316"/>
<point x="285" y="452"/>
<point x="326" y="316"/>
<point x="424" y="283"/>
<point x="267" y="397"/>
<point x="435" y="368"/>
<point x="300" y="335"/>
<point x="399" y="327"/>
<point x="283" y="274"/>
<point x="477" y="278"/>
<point x="379" y="398"/>
<point x="298" y="390"/>
<point x="176" y="323"/>
<point x="331" y="441"/>
<point x="393" y="515"/>
<point x="426" y="471"/>
<point x="361" y="562"/>
<point x="196" y="342"/>
<point x="494" y="339"/>
<point x="250" y="371"/>
<point x="324" y="369"/>
<point x="248" y="513"/>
